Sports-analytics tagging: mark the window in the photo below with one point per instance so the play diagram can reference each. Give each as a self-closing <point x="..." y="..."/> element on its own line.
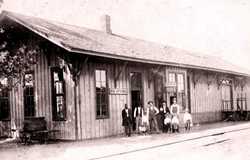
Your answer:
<point x="171" y="78"/>
<point x="58" y="95"/>
<point x="179" y="78"/>
<point x="101" y="94"/>
<point x="29" y="101"/>
<point x="177" y="81"/>
<point x="4" y="100"/>
<point x="180" y="83"/>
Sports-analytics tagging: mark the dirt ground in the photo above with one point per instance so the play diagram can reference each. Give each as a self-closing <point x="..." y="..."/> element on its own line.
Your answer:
<point x="88" y="149"/>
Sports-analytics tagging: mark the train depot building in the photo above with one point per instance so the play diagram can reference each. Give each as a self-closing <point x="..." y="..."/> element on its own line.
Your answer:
<point x="84" y="77"/>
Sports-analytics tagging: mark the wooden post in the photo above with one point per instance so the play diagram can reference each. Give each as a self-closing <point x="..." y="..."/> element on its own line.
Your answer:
<point x="75" y="65"/>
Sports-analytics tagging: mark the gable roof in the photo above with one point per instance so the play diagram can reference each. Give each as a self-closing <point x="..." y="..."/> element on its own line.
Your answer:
<point x="92" y="42"/>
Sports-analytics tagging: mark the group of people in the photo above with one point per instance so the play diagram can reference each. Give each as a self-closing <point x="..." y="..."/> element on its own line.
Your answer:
<point x="150" y="119"/>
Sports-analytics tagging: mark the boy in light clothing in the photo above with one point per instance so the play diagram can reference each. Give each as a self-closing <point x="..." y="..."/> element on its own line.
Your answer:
<point x="145" y="123"/>
<point x="187" y="119"/>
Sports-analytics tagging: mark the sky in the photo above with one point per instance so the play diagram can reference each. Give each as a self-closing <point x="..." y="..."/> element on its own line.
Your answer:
<point x="215" y="27"/>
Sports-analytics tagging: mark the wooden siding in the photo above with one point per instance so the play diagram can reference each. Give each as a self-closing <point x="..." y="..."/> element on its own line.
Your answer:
<point x="247" y="91"/>
<point x="43" y="103"/>
<point x="205" y="99"/>
<point x="67" y="127"/>
<point x="89" y="126"/>
<point x="206" y="96"/>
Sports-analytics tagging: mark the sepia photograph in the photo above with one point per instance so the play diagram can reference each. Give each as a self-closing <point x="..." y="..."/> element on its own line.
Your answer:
<point x="124" y="80"/>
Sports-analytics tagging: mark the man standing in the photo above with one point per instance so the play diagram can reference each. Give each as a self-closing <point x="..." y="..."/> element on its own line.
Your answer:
<point x="153" y="111"/>
<point x="127" y="120"/>
<point x="138" y="117"/>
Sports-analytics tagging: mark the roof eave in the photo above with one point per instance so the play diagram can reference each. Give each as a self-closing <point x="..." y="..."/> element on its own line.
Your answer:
<point x="108" y="55"/>
<point x="33" y="30"/>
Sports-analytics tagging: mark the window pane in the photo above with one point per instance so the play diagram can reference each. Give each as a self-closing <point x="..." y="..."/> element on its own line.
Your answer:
<point x="59" y="87"/>
<point x="28" y="78"/>
<point x="98" y="111"/>
<point x="97" y="75"/>
<point x="4" y="81"/>
<point x="60" y="109"/>
<point x="103" y="85"/>
<point x="103" y="76"/>
<point x="56" y="76"/>
<point x="98" y="98"/>
<point x="103" y="79"/>
<point x="4" y="107"/>
<point x="104" y="110"/>
<point x="103" y="98"/>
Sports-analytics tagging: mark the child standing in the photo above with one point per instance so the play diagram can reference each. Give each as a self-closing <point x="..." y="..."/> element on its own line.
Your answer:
<point x="167" y="122"/>
<point x="144" y="121"/>
<point x="187" y="119"/>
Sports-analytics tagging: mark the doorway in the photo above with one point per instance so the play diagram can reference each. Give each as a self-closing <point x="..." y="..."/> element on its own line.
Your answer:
<point x="171" y="99"/>
<point x="135" y="92"/>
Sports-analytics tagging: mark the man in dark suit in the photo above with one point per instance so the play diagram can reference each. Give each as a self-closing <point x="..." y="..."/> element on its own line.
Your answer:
<point x="127" y="120"/>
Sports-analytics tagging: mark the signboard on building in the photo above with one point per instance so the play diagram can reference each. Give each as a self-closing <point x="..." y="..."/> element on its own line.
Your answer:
<point x="120" y="91"/>
<point x="170" y="88"/>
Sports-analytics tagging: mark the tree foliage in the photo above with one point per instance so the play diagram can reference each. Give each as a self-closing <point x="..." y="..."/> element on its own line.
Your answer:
<point x="17" y="55"/>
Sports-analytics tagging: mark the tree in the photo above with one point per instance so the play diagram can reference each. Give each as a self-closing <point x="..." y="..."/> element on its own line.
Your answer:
<point x="17" y="55"/>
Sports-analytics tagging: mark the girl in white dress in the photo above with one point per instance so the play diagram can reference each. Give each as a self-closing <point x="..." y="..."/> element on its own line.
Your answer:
<point x="144" y="125"/>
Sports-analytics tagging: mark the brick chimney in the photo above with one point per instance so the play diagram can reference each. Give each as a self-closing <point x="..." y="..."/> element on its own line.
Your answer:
<point x="106" y="24"/>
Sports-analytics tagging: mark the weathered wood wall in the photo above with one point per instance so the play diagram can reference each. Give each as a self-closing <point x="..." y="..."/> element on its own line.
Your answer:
<point x="89" y="126"/>
<point x="247" y="91"/>
<point x="206" y="96"/>
<point x="43" y="102"/>
<point x="205" y="99"/>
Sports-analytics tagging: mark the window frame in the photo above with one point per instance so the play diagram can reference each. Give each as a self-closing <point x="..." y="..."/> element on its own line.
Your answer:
<point x="24" y="87"/>
<point x="183" y="83"/>
<point x="54" y="95"/>
<point x="106" y="94"/>
<point x="8" y="117"/>
<point x="176" y="82"/>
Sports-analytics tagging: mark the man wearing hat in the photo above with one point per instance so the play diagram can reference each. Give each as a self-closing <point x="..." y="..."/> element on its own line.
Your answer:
<point x="152" y="112"/>
<point x="127" y="120"/>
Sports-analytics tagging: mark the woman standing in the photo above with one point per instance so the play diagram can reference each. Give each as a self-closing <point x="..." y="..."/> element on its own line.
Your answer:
<point x="163" y="111"/>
